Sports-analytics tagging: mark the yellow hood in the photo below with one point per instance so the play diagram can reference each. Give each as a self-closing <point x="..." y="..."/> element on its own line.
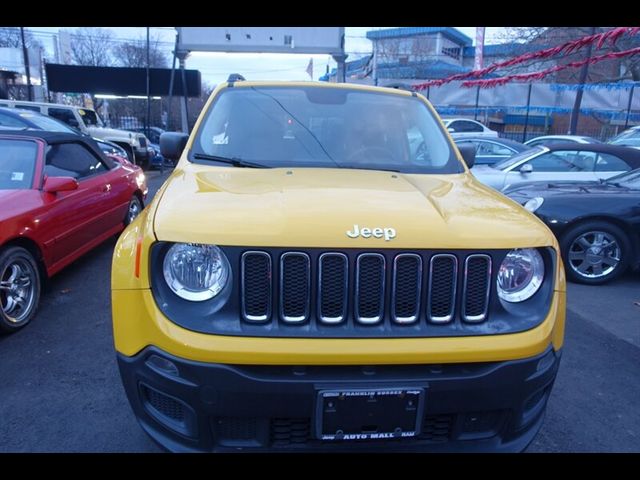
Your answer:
<point x="314" y="207"/>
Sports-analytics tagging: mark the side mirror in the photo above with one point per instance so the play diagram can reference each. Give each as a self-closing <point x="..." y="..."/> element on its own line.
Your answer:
<point x="526" y="168"/>
<point x="72" y="122"/>
<point x="451" y="129"/>
<point x="172" y="144"/>
<point x="60" y="184"/>
<point x="468" y="153"/>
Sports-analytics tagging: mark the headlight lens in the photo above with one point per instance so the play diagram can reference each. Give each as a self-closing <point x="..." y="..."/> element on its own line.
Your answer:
<point x="533" y="204"/>
<point x="140" y="180"/>
<point x="195" y="272"/>
<point x="520" y="275"/>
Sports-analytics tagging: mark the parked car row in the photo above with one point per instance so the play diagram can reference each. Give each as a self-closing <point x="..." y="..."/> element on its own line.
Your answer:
<point x="89" y="122"/>
<point x="586" y="191"/>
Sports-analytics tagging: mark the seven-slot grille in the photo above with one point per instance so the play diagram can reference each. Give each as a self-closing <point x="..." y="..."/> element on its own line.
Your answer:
<point x="406" y="287"/>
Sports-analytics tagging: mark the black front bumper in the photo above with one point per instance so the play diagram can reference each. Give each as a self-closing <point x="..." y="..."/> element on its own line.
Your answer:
<point x="188" y="406"/>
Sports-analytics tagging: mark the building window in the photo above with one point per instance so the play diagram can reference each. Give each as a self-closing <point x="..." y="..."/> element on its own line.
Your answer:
<point x="453" y="52"/>
<point x="403" y="60"/>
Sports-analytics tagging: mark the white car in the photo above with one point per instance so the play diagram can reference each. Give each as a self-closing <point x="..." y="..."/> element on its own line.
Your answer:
<point x="463" y="127"/>
<point x="628" y="138"/>
<point x="555" y="139"/>
<point x="557" y="163"/>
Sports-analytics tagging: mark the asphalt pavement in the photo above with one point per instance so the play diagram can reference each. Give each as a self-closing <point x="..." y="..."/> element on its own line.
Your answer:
<point x="60" y="389"/>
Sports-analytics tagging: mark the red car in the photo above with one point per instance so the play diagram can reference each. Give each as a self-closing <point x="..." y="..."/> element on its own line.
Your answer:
<point x="60" y="196"/>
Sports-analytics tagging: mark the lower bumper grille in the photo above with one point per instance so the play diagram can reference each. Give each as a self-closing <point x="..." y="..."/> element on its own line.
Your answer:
<point x="164" y="404"/>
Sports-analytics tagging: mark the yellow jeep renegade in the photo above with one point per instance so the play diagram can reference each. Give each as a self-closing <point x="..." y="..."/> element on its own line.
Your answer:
<point x="322" y="272"/>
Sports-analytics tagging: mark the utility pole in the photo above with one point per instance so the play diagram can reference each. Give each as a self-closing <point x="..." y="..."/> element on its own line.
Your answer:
<point x="575" y="113"/>
<point x="25" y="54"/>
<point x="184" y="112"/>
<point x="148" y="129"/>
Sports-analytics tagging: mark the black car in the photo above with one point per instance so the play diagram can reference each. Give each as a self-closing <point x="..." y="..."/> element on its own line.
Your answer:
<point x="490" y="150"/>
<point x="596" y="223"/>
<point x="19" y="119"/>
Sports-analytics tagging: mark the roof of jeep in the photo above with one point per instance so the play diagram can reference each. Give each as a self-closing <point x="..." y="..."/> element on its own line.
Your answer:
<point x="344" y="86"/>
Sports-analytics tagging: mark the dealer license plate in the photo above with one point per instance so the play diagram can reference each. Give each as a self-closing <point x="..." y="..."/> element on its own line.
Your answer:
<point x="359" y="414"/>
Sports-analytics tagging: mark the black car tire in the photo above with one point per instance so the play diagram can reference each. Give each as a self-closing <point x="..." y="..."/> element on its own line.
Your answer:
<point x="133" y="210"/>
<point x="18" y="256"/>
<point x="612" y="231"/>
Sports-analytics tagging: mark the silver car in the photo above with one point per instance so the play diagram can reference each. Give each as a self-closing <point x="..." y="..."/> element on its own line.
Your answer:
<point x="555" y="139"/>
<point x="561" y="162"/>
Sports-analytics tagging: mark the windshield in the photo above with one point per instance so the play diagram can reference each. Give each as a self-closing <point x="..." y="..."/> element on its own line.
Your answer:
<point x="17" y="164"/>
<point x="325" y="127"/>
<point x="629" y="179"/>
<point x="630" y="138"/>
<point x="507" y="162"/>
<point x="111" y="148"/>
<point x="47" y="123"/>
<point x="90" y="118"/>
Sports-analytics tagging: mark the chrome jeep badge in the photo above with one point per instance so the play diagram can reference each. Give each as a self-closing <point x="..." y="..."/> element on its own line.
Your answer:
<point x="387" y="233"/>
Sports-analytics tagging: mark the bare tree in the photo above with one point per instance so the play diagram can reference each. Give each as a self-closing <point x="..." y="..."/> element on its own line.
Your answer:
<point x="92" y="46"/>
<point x="10" y="38"/>
<point x="134" y="54"/>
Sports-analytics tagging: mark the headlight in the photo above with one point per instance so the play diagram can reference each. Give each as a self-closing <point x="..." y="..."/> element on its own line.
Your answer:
<point x="533" y="204"/>
<point x="195" y="272"/>
<point x="520" y="275"/>
<point x="140" y="180"/>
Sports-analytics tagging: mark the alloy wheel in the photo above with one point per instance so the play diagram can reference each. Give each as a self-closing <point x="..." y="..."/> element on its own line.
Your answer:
<point x="594" y="254"/>
<point x="17" y="290"/>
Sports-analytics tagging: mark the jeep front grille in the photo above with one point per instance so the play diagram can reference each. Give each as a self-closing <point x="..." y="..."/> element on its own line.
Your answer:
<point x="364" y="288"/>
<point x="256" y="286"/>
<point x="333" y="287"/>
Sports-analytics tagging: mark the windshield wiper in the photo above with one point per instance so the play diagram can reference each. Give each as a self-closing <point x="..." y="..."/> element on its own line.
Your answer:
<point x="357" y="167"/>
<point x="604" y="181"/>
<point x="235" y="161"/>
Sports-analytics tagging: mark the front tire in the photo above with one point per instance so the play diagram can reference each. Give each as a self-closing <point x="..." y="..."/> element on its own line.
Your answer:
<point x="595" y="252"/>
<point x="19" y="288"/>
<point x="133" y="210"/>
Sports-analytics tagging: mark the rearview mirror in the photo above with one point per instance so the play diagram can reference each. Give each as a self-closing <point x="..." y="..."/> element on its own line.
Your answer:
<point x="60" y="184"/>
<point x="526" y="168"/>
<point x="172" y="144"/>
<point x="468" y="153"/>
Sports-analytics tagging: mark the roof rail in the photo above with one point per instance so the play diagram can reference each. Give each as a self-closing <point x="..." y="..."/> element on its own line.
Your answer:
<point x="235" y="77"/>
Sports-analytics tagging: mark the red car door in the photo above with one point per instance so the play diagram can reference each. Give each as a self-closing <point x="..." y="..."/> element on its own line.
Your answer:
<point x="80" y="217"/>
<point x="119" y="185"/>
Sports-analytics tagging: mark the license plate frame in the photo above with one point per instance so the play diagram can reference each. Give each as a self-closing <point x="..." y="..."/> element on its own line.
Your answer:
<point x="369" y="413"/>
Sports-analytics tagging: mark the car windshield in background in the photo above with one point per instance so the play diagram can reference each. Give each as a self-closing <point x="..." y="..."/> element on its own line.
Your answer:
<point x="90" y="118"/>
<point x="506" y="163"/>
<point x="325" y="127"/>
<point x="630" y="138"/>
<point x="49" y="124"/>
<point x="111" y="149"/>
<point x="17" y="164"/>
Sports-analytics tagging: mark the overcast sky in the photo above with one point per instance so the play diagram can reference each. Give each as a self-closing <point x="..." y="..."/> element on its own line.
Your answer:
<point x="216" y="67"/>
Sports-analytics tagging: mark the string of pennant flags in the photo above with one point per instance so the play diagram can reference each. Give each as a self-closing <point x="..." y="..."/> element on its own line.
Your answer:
<point x="611" y="114"/>
<point x="598" y="41"/>
<point x="593" y="86"/>
<point x="522" y="77"/>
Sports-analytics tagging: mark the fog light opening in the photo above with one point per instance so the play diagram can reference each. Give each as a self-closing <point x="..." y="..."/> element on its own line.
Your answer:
<point x="162" y="365"/>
